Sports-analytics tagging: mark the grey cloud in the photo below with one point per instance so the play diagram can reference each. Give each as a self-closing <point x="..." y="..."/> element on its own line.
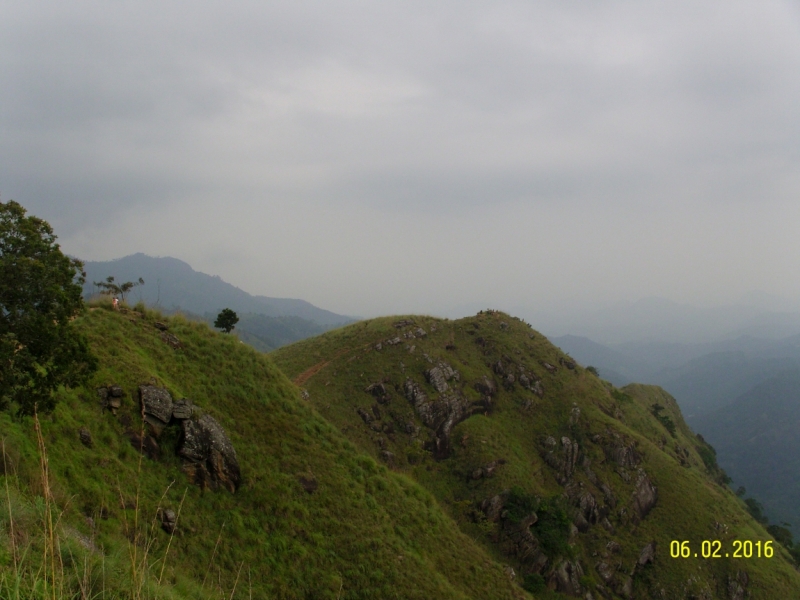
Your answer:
<point x="450" y="110"/>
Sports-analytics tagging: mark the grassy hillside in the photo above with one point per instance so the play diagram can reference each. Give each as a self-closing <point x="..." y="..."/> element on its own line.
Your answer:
<point x="314" y="516"/>
<point x="550" y="469"/>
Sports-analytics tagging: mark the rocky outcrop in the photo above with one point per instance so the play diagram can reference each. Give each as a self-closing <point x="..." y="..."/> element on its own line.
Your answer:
<point x="737" y="586"/>
<point x="210" y="457"/>
<point x="565" y="578"/>
<point x="169" y="520"/>
<point x="156" y="405"/>
<point x="645" y="496"/>
<point x="111" y="397"/>
<point x="182" y="409"/>
<point x="439" y="375"/>
<point x="561" y="459"/>
<point x="485" y="386"/>
<point x="86" y="437"/>
<point x="647" y="555"/>
<point x="171" y="339"/>
<point x="440" y="415"/>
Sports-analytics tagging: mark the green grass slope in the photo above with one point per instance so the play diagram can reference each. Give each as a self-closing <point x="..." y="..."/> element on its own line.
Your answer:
<point x="571" y="463"/>
<point x="365" y="532"/>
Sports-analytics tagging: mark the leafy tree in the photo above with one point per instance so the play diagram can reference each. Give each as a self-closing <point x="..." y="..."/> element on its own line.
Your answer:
<point x="40" y="295"/>
<point x="593" y="371"/>
<point x="113" y="289"/>
<point x="226" y="320"/>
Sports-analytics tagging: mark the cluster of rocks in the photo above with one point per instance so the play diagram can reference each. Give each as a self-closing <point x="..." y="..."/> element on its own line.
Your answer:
<point x="565" y="362"/>
<point x="209" y="458"/>
<point x="612" y="574"/>
<point x="111" y="397"/>
<point x="527" y="379"/>
<point x="487" y="470"/>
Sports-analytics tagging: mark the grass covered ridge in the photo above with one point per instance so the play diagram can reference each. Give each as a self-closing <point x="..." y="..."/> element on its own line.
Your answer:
<point x="693" y="502"/>
<point x="366" y="532"/>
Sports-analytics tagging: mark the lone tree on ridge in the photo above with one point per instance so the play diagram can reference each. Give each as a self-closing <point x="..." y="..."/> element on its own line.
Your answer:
<point x="226" y="320"/>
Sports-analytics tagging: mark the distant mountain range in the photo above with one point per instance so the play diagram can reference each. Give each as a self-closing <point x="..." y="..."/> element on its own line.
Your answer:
<point x="757" y="438"/>
<point x="173" y="285"/>
<point x="662" y="320"/>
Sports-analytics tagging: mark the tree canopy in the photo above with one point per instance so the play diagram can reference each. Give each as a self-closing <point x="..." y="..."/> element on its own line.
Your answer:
<point x="226" y="320"/>
<point x="40" y="295"/>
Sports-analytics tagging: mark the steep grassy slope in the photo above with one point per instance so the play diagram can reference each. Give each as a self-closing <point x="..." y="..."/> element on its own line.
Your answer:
<point x="363" y="532"/>
<point x="551" y="469"/>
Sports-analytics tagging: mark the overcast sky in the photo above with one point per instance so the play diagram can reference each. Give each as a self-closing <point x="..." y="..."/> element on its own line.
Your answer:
<point x="385" y="157"/>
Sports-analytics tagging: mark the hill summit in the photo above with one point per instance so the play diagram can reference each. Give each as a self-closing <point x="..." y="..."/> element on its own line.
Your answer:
<point x="578" y="487"/>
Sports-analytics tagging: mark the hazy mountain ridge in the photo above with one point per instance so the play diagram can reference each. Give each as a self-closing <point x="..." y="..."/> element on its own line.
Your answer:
<point x="172" y="285"/>
<point x="660" y="320"/>
<point x="757" y="438"/>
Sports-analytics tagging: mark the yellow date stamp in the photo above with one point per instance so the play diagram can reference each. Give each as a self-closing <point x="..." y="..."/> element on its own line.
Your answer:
<point x="718" y="549"/>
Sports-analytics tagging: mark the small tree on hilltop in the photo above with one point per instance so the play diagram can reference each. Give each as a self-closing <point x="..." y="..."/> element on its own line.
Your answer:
<point x="40" y="295"/>
<point x="226" y="320"/>
<point x="110" y="288"/>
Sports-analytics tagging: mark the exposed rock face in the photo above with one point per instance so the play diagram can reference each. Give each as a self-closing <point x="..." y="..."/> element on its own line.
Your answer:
<point x="182" y="409"/>
<point x="485" y="386"/>
<point x="156" y="403"/>
<point x="606" y="572"/>
<point x="645" y="495"/>
<point x="439" y="375"/>
<point x="210" y="457"/>
<point x="564" y="362"/>
<point x="625" y="455"/>
<point x="492" y="507"/>
<point x="566" y="578"/>
<point x="111" y="397"/>
<point x="169" y="520"/>
<point x="172" y="340"/>
<point x="737" y="586"/>
<point x="440" y="415"/>
<point x="563" y="461"/>
<point x="86" y="437"/>
<point x="647" y="555"/>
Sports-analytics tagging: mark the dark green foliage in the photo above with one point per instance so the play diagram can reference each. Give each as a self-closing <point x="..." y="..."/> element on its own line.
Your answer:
<point x="756" y="510"/>
<point x="552" y="528"/>
<point x="110" y="288"/>
<point x="533" y="582"/>
<point x="666" y="421"/>
<point x="520" y="504"/>
<point x="226" y="320"/>
<point x="782" y="535"/>
<point x="709" y="457"/>
<point x="741" y="491"/>
<point x="593" y="371"/>
<point x="40" y="294"/>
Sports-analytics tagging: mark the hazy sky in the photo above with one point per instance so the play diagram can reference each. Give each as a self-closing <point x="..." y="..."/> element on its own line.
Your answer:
<point x="384" y="157"/>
